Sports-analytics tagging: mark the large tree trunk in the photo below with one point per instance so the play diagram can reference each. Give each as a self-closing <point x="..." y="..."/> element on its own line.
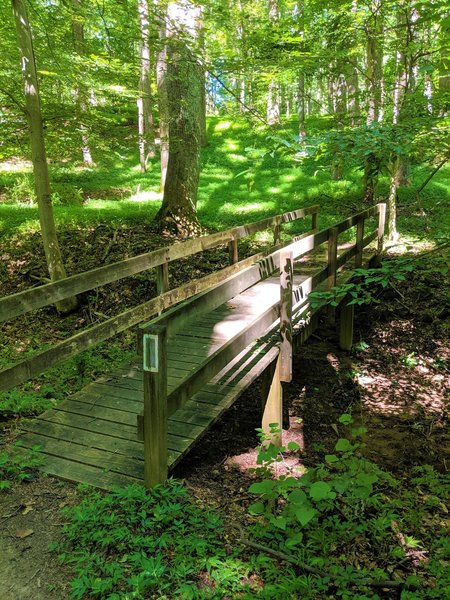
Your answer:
<point x="146" y="129"/>
<point x="273" y="92"/>
<point x="81" y="93"/>
<point x="179" y="208"/>
<point x="374" y="71"/>
<point x="163" y="104"/>
<point x="38" y="156"/>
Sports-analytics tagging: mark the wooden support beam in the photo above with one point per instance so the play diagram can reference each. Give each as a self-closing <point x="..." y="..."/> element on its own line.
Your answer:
<point x="332" y="266"/>
<point x="359" y="243"/>
<point x="381" y="226"/>
<point x="233" y="252"/>
<point x="272" y="404"/>
<point x="277" y="233"/>
<point x="347" y="315"/>
<point x="286" y="278"/>
<point x="314" y="221"/>
<point x="155" y="405"/>
<point x="162" y="278"/>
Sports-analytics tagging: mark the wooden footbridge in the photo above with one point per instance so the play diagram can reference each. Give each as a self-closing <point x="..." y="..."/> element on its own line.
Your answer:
<point x="208" y="340"/>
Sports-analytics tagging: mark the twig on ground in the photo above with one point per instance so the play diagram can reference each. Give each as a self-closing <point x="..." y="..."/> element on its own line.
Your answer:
<point x="387" y="584"/>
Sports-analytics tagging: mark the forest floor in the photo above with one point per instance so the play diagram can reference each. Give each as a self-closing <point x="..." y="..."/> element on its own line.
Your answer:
<point x="394" y="383"/>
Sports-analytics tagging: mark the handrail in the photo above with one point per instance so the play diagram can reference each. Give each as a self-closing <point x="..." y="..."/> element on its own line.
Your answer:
<point x="44" y="295"/>
<point x="269" y="261"/>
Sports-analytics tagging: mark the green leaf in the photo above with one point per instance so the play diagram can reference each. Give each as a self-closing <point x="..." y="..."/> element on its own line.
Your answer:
<point x="305" y="514"/>
<point x="320" y="490"/>
<point x="346" y="419"/>
<point x="297" y="497"/>
<point x="343" y="445"/>
<point x="293" y="446"/>
<point x="279" y="522"/>
<point x="331" y="458"/>
<point x="262" y="487"/>
<point x="256" y="509"/>
<point x="294" y="540"/>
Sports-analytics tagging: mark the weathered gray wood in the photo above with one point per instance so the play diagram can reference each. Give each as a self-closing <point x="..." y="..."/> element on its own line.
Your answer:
<point x="29" y="368"/>
<point x="233" y="252"/>
<point x="277" y="233"/>
<point x="359" y="243"/>
<point x="348" y="254"/>
<point x="216" y="361"/>
<point x="286" y="280"/>
<point x="162" y="278"/>
<point x="155" y="407"/>
<point x="347" y="314"/>
<point x="23" y="302"/>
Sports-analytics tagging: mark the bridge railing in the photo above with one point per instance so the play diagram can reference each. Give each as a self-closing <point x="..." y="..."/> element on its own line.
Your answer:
<point x="280" y="316"/>
<point x="23" y="302"/>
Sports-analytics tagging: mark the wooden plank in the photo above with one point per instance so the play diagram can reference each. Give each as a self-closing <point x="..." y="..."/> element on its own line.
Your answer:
<point x="216" y="361"/>
<point x="233" y="252"/>
<point x="359" y="243"/>
<point x="87" y="438"/>
<point x="71" y="471"/>
<point x="353" y="251"/>
<point x="103" y="426"/>
<point x="30" y="367"/>
<point x="108" y="461"/>
<point x="23" y="302"/>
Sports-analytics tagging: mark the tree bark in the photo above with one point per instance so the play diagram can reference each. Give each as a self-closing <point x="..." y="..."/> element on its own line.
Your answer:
<point x="146" y="130"/>
<point x="374" y="60"/>
<point x="38" y="155"/>
<point x="273" y="92"/>
<point x="179" y="208"/>
<point x="81" y="93"/>
<point x="163" y="103"/>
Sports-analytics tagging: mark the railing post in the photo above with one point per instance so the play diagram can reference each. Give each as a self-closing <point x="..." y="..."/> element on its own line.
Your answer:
<point x="162" y="279"/>
<point x="314" y="220"/>
<point x="359" y="243"/>
<point x="347" y="315"/>
<point x="155" y="404"/>
<point x="233" y="252"/>
<point x="332" y="263"/>
<point x="286" y="277"/>
<point x="277" y="233"/>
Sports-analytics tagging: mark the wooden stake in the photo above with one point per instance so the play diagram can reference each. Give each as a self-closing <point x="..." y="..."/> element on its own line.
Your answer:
<point x="346" y="324"/>
<point x="273" y="409"/>
<point x="155" y="405"/>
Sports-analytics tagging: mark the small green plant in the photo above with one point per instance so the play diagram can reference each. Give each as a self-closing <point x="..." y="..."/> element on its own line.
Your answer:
<point x="21" y="191"/>
<point x="138" y="544"/>
<point x="364" y="289"/>
<point x="65" y="194"/>
<point x="18" y="464"/>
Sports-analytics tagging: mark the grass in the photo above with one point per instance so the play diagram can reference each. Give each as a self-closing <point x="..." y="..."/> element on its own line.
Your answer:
<point x="245" y="177"/>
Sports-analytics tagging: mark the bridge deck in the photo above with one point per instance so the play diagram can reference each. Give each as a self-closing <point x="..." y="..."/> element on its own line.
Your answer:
<point x="92" y="436"/>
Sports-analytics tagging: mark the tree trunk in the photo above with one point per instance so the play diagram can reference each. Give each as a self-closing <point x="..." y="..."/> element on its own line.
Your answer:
<point x="81" y="93"/>
<point x="179" y="208"/>
<point x="374" y="60"/>
<point x="163" y="104"/>
<point x="273" y="92"/>
<point x="339" y="117"/>
<point x="38" y="156"/>
<point x="301" y="107"/>
<point x="146" y="129"/>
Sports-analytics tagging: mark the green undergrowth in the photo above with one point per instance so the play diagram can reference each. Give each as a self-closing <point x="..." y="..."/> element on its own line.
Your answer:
<point x="18" y="464"/>
<point x="56" y="383"/>
<point x="343" y="529"/>
<point x="248" y="173"/>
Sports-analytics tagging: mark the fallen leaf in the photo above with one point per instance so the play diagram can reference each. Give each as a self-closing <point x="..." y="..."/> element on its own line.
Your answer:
<point x="23" y="533"/>
<point x="27" y="509"/>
